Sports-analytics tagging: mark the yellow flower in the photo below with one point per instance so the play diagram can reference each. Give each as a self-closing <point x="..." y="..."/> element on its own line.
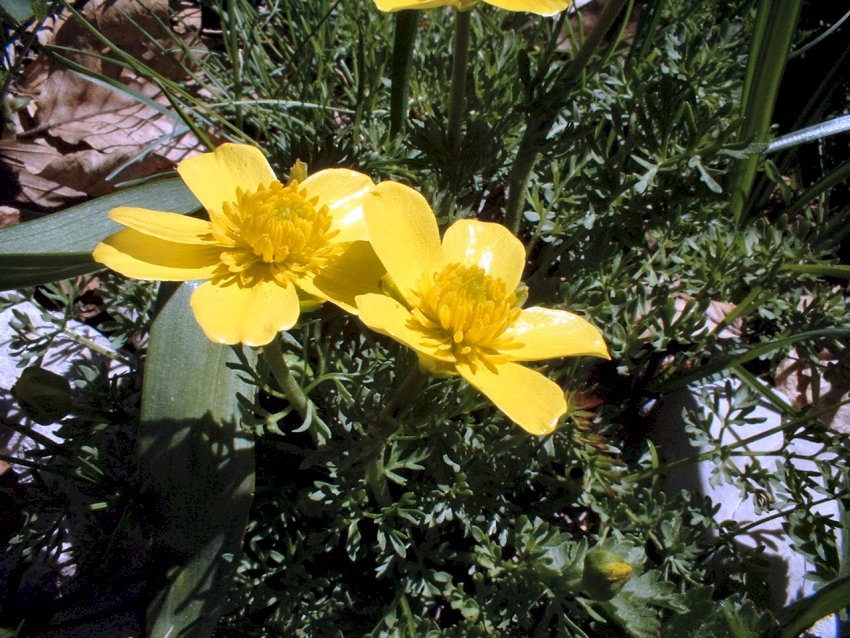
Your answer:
<point x="458" y="306"/>
<point x="541" y="7"/>
<point x="266" y="248"/>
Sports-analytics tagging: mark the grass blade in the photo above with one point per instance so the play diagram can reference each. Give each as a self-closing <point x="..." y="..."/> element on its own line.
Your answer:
<point x="776" y="22"/>
<point x="796" y="618"/>
<point x="664" y="386"/>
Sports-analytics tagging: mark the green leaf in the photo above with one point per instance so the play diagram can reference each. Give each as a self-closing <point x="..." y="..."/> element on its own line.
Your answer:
<point x="821" y="270"/>
<point x="663" y="386"/>
<point x="710" y="618"/>
<point x="829" y="180"/>
<point x="197" y="468"/>
<point x="776" y="22"/>
<point x="807" y="611"/>
<point x="59" y="245"/>
<point x="18" y="10"/>
<point x="636" y="607"/>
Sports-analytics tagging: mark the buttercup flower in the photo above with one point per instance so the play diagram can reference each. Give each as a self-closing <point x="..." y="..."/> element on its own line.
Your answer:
<point x="266" y="249"/>
<point x="459" y="309"/>
<point x="541" y="7"/>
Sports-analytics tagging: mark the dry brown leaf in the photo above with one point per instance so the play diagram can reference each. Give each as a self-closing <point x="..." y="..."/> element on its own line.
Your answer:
<point x="715" y="315"/>
<point x="78" y="139"/>
<point x="822" y="386"/>
<point x="9" y="216"/>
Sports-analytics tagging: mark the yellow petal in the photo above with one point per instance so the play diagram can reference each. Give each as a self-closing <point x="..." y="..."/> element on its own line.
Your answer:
<point x="141" y="256"/>
<point x="398" y="5"/>
<point x="342" y="191"/>
<point x="357" y="271"/>
<point x="387" y="316"/>
<point x="252" y="315"/>
<point x="490" y="246"/>
<point x="545" y="334"/>
<point x="540" y="7"/>
<point x="404" y="234"/>
<point x="214" y="177"/>
<point x="527" y="397"/>
<point x="170" y="226"/>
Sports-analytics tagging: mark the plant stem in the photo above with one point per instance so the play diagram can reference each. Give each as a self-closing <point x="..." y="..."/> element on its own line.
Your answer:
<point x="380" y="430"/>
<point x="403" y="41"/>
<point x="411" y="384"/>
<point x="281" y="373"/>
<point x="541" y="119"/>
<point x="460" y="57"/>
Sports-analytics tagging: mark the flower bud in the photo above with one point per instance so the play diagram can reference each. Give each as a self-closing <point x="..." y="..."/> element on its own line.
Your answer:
<point x="298" y="172"/>
<point x="605" y="573"/>
<point x="43" y="395"/>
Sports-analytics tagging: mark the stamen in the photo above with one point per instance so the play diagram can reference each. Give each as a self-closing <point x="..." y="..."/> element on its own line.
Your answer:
<point x="275" y="231"/>
<point x="465" y="312"/>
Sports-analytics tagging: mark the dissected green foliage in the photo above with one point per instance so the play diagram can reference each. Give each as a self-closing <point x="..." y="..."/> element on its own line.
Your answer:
<point x="627" y="222"/>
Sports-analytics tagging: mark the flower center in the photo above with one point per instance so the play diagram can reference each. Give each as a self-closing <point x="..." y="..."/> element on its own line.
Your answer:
<point x="275" y="231"/>
<point x="466" y="311"/>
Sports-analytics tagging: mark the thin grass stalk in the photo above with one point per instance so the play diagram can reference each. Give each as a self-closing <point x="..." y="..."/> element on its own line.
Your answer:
<point x="664" y="386"/>
<point x="647" y="27"/>
<point x="776" y="22"/>
<point x="460" y="58"/>
<point x="820" y="187"/>
<point x="403" y="41"/>
<point x="168" y="86"/>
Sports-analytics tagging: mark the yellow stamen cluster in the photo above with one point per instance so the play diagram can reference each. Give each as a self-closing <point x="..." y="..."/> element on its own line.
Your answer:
<point x="275" y="231"/>
<point x="466" y="312"/>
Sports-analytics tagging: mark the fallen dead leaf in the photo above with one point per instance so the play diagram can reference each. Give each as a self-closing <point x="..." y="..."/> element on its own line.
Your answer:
<point x="9" y="216"/>
<point x="76" y="139"/>
<point x="822" y="385"/>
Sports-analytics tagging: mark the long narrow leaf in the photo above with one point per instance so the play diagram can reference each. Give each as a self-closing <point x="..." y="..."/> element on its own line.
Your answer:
<point x="722" y="363"/>
<point x="59" y="246"/>
<point x="831" y="599"/>
<point x="776" y="22"/>
<point x="836" y="176"/>
<point x="810" y="134"/>
<point x="197" y="469"/>
<point x="840" y="271"/>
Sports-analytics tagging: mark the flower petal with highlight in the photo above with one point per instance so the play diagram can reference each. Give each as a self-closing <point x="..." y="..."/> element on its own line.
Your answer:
<point x="342" y="191"/>
<point x="527" y="397"/>
<point x="403" y="231"/>
<point x="540" y="7"/>
<point x="357" y="271"/>
<point x="134" y="254"/>
<point x="252" y="315"/>
<point x="545" y="334"/>
<point x="398" y="5"/>
<point x="387" y="316"/>
<point x="214" y="177"/>
<point x="169" y="226"/>
<point x="490" y="246"/>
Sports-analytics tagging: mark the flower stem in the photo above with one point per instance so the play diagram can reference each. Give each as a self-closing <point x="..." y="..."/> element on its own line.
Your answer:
<point x="403" y="40"/>
<point x="541" y="120"/>
<point x="289" y="386"/>
<point x="460" y="56"/>
<point x="383" y="427"/>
